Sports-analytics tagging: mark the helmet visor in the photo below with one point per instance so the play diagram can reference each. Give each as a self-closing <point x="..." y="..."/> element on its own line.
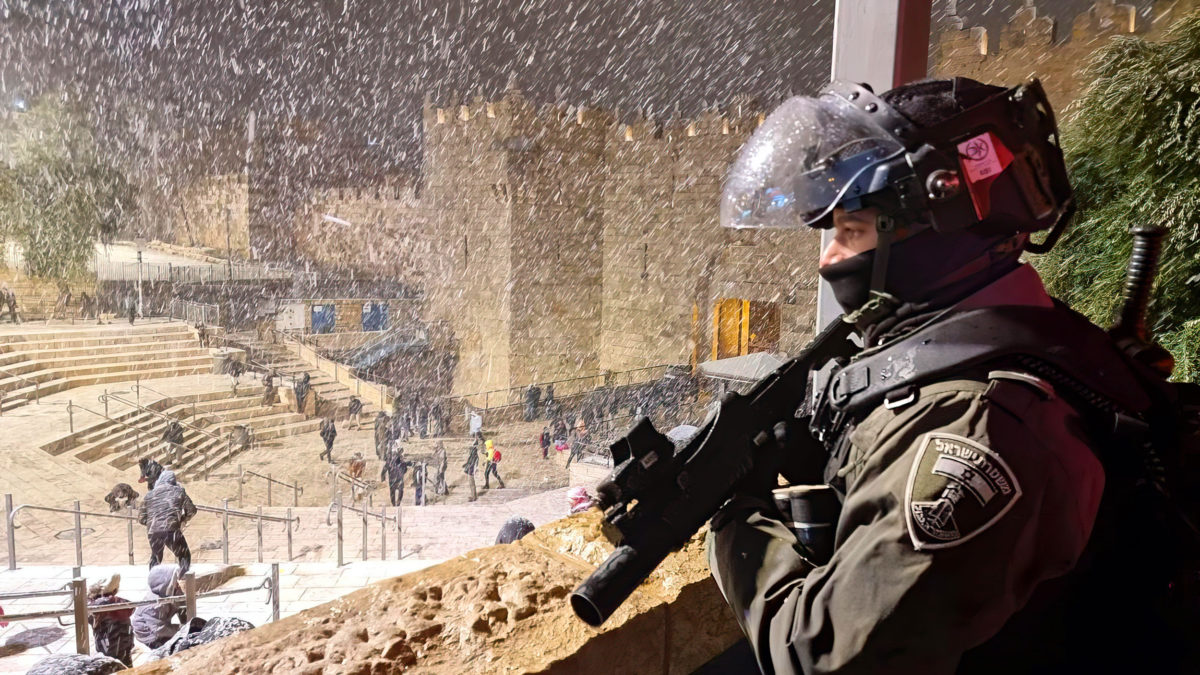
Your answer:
<point x="807" y="157"/>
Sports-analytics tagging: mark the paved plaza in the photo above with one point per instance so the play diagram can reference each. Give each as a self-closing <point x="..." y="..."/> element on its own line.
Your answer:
<point x="396" y="541"/>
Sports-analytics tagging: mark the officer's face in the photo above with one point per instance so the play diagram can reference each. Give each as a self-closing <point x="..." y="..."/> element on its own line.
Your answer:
<point x="853" y="233"/>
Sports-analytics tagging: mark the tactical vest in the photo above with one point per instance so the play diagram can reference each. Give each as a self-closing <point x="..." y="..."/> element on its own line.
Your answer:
<point x="1145" y="433"/>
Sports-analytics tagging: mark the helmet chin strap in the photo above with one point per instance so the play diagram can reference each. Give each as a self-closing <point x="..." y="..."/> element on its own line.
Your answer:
<point x="885" y="232"/>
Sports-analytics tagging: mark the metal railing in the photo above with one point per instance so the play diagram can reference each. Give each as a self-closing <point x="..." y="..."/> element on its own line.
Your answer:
<point x="574" y="386"/>
<point x="224" y="511"/>
<point x="195" y="312"/>
<point x="337" y="507"/>
<point x="80" y="610"/>
<point x="108" y="270"/>
<point x="106" y="397"/>
<point x="357" y="485"/>
<point x="174" y="400"/>
<point x="296" y="488"/>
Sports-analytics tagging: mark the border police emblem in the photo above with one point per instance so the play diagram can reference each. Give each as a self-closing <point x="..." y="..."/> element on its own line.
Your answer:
<point x="956" y="490"/>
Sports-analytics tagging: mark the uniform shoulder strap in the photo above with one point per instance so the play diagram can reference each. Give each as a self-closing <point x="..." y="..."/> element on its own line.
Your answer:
<point x="1056" y="336"/>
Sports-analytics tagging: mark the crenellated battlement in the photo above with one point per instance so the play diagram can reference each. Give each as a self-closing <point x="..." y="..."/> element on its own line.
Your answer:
<point x="513" y="112"/>
<point x="1033" y="44"/>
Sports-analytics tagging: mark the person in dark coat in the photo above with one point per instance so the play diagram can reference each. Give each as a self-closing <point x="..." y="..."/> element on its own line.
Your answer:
<point x="151" y="470"/>
<point x="470" y="466"/>
<point x="382" y="433"/>
<point x="533" y="395"/>
<point x="173" y="438"/>
<point x="549" y="405"/>
<point x="271" y="393"/>
<point x="164" y="512"/>
<point x="355" y="409"/>
<point x="421" y="415"/>
<point x="513" y="529"/>
<point x="328" y="433"/>
<point x="440" y="464"/>
<point x="420" y="471"/>
<point x="236" y="370"/>
<point x="394" y="468"/>
<point x="121" y="497"/>
<point x="544" y="442"/>
<point x="302" y="387"/>
<point x="112" y="630"/>
<point x="131" y="306"/>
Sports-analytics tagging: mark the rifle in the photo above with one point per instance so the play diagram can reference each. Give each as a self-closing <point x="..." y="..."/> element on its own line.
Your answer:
<point x="658" y="497"/>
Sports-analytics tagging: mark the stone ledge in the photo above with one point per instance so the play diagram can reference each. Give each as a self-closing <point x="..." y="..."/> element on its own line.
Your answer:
<point x="497" y="609"/>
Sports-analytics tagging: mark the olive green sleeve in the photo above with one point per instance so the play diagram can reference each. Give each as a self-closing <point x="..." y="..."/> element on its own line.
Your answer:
<point x="887" y="602"/>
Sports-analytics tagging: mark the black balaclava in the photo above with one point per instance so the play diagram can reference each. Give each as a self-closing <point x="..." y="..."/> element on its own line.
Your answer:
<point x="929" y="267"/>
<point x="926" y="267"/>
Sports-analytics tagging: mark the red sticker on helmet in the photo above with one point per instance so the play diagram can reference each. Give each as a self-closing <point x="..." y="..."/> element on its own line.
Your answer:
<point x="983" y="159"/>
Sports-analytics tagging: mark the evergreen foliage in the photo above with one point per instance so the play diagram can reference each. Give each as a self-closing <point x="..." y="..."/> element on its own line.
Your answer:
<point x="57" y="197"/>
<point x="1133" y="148"/>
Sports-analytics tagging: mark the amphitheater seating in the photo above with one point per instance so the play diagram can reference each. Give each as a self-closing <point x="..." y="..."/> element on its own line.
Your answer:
<point x="40" y="362"/>
<point x="208" y="418"/>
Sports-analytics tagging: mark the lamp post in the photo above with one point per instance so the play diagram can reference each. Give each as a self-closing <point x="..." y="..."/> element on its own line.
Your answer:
<point x="141" y="244"/>
<point x="228" y="245"/>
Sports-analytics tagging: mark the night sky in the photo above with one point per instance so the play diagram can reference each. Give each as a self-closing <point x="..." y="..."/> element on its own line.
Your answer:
<point x="364" y="67"/>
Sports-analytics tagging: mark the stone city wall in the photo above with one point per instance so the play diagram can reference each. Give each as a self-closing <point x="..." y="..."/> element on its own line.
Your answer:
<point x="214" y="213"/>
<point x="556" y="242"/>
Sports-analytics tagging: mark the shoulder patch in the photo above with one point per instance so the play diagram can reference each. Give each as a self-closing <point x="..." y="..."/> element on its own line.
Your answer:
<point x="956" y="490"/>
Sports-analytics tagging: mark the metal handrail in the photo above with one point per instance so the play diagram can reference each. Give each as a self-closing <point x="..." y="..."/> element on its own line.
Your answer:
<point x="138" y="387"/>
<point x="105" y="398"/>
<point x="603" y="376"/>
<point x="292" y="524"/>
<point x="80" y="610"/>
<point x="71" y="405"/>
<point x="398" y="519"/>
<point x="338" y="474"/>
<point x="296" y="488"/>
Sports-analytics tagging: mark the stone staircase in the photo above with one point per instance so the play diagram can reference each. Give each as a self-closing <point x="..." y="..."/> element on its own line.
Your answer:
<point x="40" y="362"/>
<point x="285" y="361"/>
<point x="209" y="420"/>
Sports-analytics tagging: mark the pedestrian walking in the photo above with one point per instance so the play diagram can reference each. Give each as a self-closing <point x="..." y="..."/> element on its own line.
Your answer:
<point x="420" y="471"/>
<point x="492" y="468"/>
<point x="301" y="388"/>
<point x="202" y="334"/>
<point x="421" y="415"/>
<point x="544" y="442"/>
<point x="173" y="438"/>
<point x="578" y="443"/>
<point x="113" y="630"/>
<point x="470" y="466"/>
<point x="355" y="409"/>
<point x="131" y="307"/>
<point x="440" y="463"/>
<point x="328" y="433"/>
<point x="236" y="370"/>
<point x="549" y="405"/>
<point x="394" y="468"/>
<point x="164" y="512"/>
<point x="355" y="470"/>
<point x="150" y="472"/>
<point x="382" y="434"/>
<point x="533" y="395"/>
<point x="436" y="426"/>
<point x="271" y="392"/>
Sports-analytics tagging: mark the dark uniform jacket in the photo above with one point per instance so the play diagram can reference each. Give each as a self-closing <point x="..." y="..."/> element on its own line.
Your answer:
<point x="957" y="507"/>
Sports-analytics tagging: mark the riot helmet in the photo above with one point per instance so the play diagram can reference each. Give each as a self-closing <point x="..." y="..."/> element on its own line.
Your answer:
<point x="967" y="171"/>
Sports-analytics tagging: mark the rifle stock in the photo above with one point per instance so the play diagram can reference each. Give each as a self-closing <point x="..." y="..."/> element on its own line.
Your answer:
<point x="657" y="498"/>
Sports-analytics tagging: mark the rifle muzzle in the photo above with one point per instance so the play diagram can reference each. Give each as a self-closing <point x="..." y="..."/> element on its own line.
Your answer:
<point x="605" y="589"/>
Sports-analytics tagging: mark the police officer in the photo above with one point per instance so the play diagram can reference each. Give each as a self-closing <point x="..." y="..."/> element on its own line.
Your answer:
<point x="971" y="535"/>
